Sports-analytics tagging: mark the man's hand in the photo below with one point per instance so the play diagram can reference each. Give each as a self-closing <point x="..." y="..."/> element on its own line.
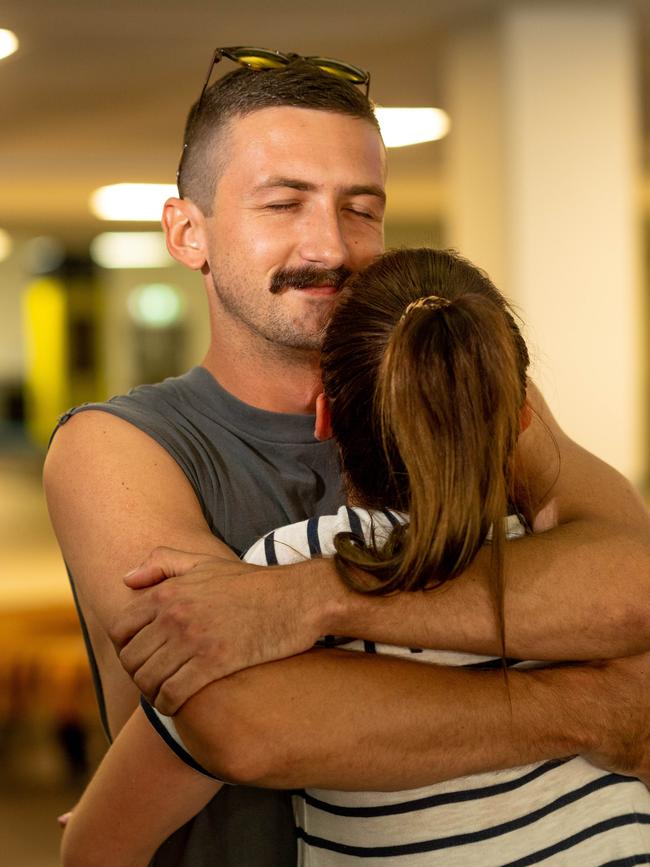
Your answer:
<point x="214" y="616"/>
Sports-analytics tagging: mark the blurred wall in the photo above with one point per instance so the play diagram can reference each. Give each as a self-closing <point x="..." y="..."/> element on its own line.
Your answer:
<point x="544" y="192"/>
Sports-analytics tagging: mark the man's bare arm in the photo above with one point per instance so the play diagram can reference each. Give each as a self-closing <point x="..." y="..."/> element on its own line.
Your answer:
<point x="113" y="495"/>
<point x="346" y="720"/>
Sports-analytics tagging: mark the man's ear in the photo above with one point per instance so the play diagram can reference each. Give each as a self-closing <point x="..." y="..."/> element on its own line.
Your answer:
<point x="184" y="227"/>
<point x="323" y="426"/>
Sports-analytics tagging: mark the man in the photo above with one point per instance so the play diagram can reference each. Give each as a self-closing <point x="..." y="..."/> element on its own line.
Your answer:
<point x="282" y="195"/>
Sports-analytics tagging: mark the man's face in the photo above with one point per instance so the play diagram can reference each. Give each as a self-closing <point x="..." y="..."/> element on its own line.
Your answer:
<point x="298" y="206"/>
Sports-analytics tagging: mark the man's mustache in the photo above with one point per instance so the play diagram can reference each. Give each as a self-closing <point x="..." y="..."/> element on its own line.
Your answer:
<point x="301" y="278"/>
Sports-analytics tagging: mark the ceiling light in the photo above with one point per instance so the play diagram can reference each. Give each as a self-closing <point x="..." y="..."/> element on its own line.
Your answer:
<point x="138" y="202"/>
<point x="130" y="250"/>
<point x="8" y="43"/>
<point x="6" y="245"/>
<point x="407" y="126"/>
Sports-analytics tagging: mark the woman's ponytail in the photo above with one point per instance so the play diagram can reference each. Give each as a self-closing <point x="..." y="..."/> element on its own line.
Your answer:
<point x="437" y="384"/>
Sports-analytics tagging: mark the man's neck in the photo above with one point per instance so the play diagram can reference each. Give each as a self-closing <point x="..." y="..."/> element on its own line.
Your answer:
<point x="276" y="384"/>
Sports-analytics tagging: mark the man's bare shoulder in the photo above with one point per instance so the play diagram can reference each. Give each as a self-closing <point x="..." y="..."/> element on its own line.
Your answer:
<point x="96" y="456"/>
<point x="114" y="494"/>
<point x="91" y="436"/>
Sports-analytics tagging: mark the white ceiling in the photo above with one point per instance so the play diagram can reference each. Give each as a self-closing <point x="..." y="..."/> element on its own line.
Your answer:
<point x="98" y="92"/>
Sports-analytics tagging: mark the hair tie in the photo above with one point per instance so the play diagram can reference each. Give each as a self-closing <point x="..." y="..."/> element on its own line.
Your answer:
<point x="433" y="302"/>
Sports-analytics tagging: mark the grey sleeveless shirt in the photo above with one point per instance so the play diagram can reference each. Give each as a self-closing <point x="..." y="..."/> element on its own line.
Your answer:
<point x="251" y="471"/>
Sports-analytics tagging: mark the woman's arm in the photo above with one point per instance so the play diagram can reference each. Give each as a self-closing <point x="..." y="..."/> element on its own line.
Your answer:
<point x="139" y="795"/>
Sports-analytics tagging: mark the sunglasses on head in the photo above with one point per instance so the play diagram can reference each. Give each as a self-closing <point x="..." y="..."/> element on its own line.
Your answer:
<point x="264" y="60"/>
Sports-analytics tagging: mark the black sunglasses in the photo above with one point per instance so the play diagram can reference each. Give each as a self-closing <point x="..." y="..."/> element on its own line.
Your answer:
<point x="264" y="59"/>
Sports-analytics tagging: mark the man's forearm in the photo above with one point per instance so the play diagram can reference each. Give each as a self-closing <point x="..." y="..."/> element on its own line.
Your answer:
<point x="393" y="724"/>
<point x="579" y="591"/>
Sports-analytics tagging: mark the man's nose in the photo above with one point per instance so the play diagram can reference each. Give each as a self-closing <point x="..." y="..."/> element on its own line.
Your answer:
<point x="323" y="242"/>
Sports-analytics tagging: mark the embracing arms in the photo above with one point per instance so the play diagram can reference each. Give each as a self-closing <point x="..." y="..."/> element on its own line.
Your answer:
<point x="581" y="590"/>
<point x="215" y="621"/>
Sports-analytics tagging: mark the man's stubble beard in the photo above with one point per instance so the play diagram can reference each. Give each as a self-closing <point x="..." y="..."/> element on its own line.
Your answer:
<point x="270" y="325"/>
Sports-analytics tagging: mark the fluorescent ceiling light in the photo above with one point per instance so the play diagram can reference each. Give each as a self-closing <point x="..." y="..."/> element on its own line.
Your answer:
<point x="138" y="202"/>
<point x="130" y="250"/>
<point x="8" y="43"/>
<point x="6" y="245"/>
<point x="407" y="126"/>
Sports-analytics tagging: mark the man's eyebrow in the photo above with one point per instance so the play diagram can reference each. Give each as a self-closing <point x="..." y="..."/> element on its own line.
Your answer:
<point x="278" y="181"/>
<point x="366" y="190"/>
<point x="307" y="187"/>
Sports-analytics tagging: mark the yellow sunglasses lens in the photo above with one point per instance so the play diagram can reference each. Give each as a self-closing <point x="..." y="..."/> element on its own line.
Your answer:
<point x="256" y="62"/>
<point x="340" y="70"/>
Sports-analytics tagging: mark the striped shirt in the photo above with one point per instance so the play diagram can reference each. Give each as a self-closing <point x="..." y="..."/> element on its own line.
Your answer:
<point x="564" y="812"/>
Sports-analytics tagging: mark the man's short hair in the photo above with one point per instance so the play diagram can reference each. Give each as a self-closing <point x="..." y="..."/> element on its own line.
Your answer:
<point x="299" y="85"/>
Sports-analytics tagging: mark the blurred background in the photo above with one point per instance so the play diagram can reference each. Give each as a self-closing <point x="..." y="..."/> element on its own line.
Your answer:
<point x="543" y="179"/>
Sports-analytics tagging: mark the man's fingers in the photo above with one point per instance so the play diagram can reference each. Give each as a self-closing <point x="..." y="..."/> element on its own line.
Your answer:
<point x="146" y="575"/>
<point x="131" y="620"/>
<point x="150" y="604"/>
<point x="141" y="648"/>
<point x="186" y="682"/>
<point x="163" y="664"/>
<point x="161" y="564"/>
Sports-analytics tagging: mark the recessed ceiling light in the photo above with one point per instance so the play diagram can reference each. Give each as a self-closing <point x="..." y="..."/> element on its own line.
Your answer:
<point x="138" y="202"/>
<point x="8" y="43"/>
<point x="130" y="250"/>
<point x="407" y="126"/>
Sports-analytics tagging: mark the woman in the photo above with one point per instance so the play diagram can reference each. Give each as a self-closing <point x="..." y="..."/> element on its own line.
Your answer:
<point x="424" y="377"/>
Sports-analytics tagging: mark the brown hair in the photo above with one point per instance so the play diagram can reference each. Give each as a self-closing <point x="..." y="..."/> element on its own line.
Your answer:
<point x="299" y="85"/>
<point x="425" y="407"/>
